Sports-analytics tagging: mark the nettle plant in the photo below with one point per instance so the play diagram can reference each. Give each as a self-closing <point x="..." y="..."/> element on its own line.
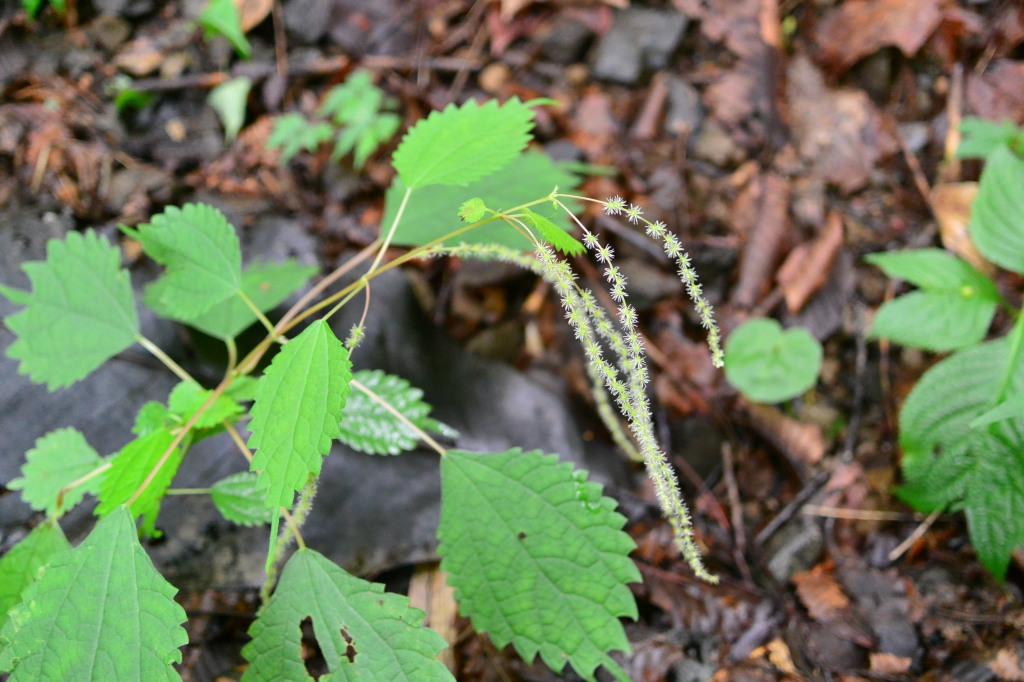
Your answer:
<point x="535" y="553"/>
<point x="962" y="426"/>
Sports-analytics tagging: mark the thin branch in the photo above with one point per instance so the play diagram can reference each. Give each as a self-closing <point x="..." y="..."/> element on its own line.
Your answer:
<point x="163" y="357"/>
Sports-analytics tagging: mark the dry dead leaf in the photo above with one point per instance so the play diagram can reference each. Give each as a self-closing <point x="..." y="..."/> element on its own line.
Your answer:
<point x="770" y="196"/>
<point x="253" y="12"/>
<point x="838" y="131"/>
<point x="140" y="57"/>
<point x="737" y="23"/>
<point x="998" y="94"/>
<point x="951" y="204"/>
<point x="802" y="444"/>
<point x="808" y="266"/>
<point x="889" y="664"/>
<point x="430" y="593"/>
<point x="855" y="30"/>
<point x="1006" y="666"/>
<point x="820" y="594"/>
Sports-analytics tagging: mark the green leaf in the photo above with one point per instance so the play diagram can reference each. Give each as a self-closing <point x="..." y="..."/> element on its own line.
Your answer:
<point x="58" y="458"/>
<point x="430" y="215"/>
<point x="267" y="286"/>
<point x="462" y="144"/>
<point x="997" y="215"/>
<point x="16" y="296"/>
<point x="552" y="234"/>
<point x="31" y="7"/>
<point x="130" y="468"/>
<point x="472" y="210"/>
<point x="953" y="310"/>
<point x="981" y="137"/>
<point x="769" y="365"/>
<point x="364" y="633"/>
<point x="367" y="427"/>
<point x="1012" y="407"/>
<point x="537" y="557"/>
<point x="297" y="411"/>
<point x="151" y="417"/>
<point x="355" y="106"/>
<point x="242" y="499"/>
<point x="79" y="314"/>
<point x="229" y="101"/>
<point x="186" y="399"/>
<point x="200" y="250"/>
<point x="98" y="612"/>
<point x="948" y="463"/>
<point x="292" y="134"/>
<point x="221" y="18"/>
<point x="20" y="566"/>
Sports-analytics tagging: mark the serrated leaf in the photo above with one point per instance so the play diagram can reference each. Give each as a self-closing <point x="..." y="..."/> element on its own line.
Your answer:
<point x="242" y="499"/>
<point x="200" y="251"/>
<point x="266" y="285"/>
<point x="367" y="427"/>
<point x="79" y="314"/>
<point x="98" y="612"/>
<point x="187" y="397"/>
<point x="292" y="134"/>
<point x="297" y="411"/>
<point x="460" y="145"/>
<point x="387" y="636"/>
<point x="20" y="566"/>
<point x="537" y="557"/>
<point x="58" y="458"/>
<point x="151" y="417"/>
<point x="997" y="214"/>
<point x="221" y="18"/>
<point x="769" y="365"/>
<point x="229" y="101"/>
<point x="553" y="235"/>
<point x="953" y="309"/>
<point x="948" y="463"/>
<point x="16" y="296"/>
<point x="130" y="468"/>
<point x="1011" y="408"/>
<point x="981" y="137"/>
<point x="431" y="215"/>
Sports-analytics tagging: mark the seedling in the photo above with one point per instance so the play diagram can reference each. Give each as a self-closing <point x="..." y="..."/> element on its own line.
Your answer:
<point x="769" y="365"/>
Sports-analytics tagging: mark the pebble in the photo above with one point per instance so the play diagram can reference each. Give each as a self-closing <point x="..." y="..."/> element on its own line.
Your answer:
<point x="642" y="39"/>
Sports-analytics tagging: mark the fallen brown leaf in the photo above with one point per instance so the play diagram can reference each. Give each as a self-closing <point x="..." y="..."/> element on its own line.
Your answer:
<point x="770" y="195"/>
<point x="140" y="57"/>
<point x="802" y="444"/>
<point x="889" y="664"/>
<point x="1006" y="666"/>
<point x="808" y="266"/>
<point x="820" y="594"/>
<point x="253" y="12"/>
<point x="951" y="204"/>
<point x="855" y="30"/>
<point x="430" y="592"/>
<point x="998" y="94"/>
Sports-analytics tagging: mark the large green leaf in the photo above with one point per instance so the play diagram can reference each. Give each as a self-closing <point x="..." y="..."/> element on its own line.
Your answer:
<point x="433" y="214"/>
<point x="997" y="215"/>
<point x="200" y="250"/>
<point x="242" y="499"/>
<point x="267" y="286"/>
<point x="20" y="566"/>
<point x="981" y="137"/>
<point x="98" y="612"/>
<point x="368" y="427"/>
<point x="364" y="633"/>
<point x="769" y="365"/>
<point x="462" y="144"/>
<point x="58" y="458"/>
<point x="537" y="557"/>
<point x="953" y="309"/>
<point x="79" y="314"/>
<point x="130" y="468"/>
<point x="297" y="410"/>
<point x="946" y="462"/>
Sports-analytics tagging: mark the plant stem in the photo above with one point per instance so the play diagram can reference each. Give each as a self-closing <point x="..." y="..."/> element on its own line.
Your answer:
<point x="327" y="281"/>
<point x="423" y="435"/>
<point x="1016" y="348"/>
<point x="267" y="324"/>
<point x="82" y="480"/>
<point x="188" y="491"/>
<point x="391" y="230"/>
<point x="163" y="357"/>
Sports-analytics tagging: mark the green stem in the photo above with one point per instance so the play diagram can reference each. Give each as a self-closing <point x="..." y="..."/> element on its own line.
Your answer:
<point x="391" y="230"/>
<point x="1016" y="348"/>
<point x="163" y="357"/>
<point x="188" y="491"/>
<point x="267" y="324"/>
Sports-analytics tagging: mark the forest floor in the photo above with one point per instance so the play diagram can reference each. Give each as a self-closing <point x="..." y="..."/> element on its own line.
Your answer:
<point x="783" y="140"/>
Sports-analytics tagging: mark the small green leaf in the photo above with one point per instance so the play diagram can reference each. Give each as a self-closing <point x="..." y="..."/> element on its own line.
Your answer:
<point x="981" y="137"/>
<point x="553" y="234"/>
<point x="79" y="314"/>
<point x="16" y="296"/>
<point x="537" y="558"/>
<point x="221" y="18"/>
<point x="431" y="215"/>
<point x="367" y="427"/>
<point x="31" y="7"/>
<point x="472" y="210"/>
<point x="997" y="215"/>
<point x="769" y="365"/>
<point x="130" y="468"/>
<point x="20" y="566"/>
<point x="200" y="250"/>
<point x="364" y="633"/>
<point x="98" y="612"/>
<point x="297" y="411"/>
<point x="292" y="134"/>
<point x="58" y="458"/>
<point x="242" y="499"/>
<point x="947" y="463"/>
<point x="229" y="101"/>
<point x="460" y="145"/>
<point x="186" y="399"/>
<point x="151" y="417"/>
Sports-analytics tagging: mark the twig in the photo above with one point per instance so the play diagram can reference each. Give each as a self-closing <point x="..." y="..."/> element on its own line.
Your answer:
<point x="327" y="281"/>
<point x="739" y="532"/>
<point x="790" y="510"/>
<point x="902" y="548"/>
<point x="857" y="514"/>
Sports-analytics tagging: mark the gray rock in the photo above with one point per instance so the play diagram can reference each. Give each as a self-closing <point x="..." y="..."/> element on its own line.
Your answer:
<point x="896" y="634"/>
<point x="793" y="549"/>
<point x="648" y="283"/>
<point x="684" y="114"/>
<point x="308" y="20"/>
<point x="566" y="42"/>
<point x="641" y="39"/>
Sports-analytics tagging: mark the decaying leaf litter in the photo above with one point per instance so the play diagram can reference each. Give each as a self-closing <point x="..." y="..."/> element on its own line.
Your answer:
<point x="783" y="141"/>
